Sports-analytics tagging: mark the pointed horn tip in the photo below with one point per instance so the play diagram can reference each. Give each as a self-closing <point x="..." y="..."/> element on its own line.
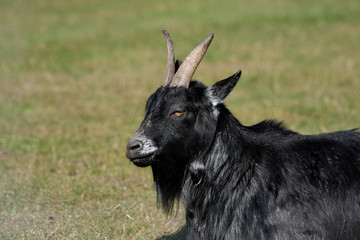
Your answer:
<point x="211" y="36"/>
<point x="206" y="42"/>
<point x="167" y="36"/>
<point x="165" y="33"/>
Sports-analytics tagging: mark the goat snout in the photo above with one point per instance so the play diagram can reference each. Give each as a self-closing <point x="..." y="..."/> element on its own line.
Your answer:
<point x="140" y="151"/>
<point x="134" y="149"/>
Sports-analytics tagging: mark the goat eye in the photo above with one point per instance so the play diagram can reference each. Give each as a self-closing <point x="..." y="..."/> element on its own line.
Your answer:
<point x="178" y="113"/>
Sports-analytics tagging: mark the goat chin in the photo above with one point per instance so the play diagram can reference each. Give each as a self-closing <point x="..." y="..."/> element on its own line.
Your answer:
<point x="143" y="161"/>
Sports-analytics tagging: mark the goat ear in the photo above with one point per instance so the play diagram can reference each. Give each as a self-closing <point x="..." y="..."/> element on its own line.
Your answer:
<point x="220" y="90"/>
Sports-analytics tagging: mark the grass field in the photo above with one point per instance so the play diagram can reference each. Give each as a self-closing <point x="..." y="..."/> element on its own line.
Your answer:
<point x="75" y="75"/>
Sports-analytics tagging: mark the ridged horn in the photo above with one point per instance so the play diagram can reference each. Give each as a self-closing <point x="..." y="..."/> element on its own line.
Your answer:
<point x="170" y="67"/>
<point x="187" y="68"/>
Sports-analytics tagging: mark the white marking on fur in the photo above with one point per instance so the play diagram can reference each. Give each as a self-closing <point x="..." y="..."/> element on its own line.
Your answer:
<point x="148" y="145"/>
<point x="215" y="101"/>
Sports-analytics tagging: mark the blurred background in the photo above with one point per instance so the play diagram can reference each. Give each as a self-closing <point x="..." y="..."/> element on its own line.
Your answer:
<point x="75" y="76"/>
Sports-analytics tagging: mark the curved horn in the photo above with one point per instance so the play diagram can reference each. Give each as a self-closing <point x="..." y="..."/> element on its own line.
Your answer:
<point x="191" y="62"/>
<point x="170" y="67"/>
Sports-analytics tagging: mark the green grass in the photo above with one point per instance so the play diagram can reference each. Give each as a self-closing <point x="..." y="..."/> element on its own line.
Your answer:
<point x="75" y="75"/>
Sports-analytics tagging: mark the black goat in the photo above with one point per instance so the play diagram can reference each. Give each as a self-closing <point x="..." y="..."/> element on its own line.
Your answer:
<point x="239" y="182"/>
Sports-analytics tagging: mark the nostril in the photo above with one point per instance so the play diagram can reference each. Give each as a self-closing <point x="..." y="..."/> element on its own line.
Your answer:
<point x="135" y="145"/>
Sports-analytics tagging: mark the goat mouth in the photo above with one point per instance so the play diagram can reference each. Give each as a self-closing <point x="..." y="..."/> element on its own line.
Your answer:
<point x="143" y="161"/>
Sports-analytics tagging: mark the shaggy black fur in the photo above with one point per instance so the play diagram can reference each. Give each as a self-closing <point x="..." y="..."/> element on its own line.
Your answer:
<point x="239" y="182"/>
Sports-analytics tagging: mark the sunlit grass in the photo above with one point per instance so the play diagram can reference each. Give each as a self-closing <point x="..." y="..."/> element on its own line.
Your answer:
<point x="74" y="78"/>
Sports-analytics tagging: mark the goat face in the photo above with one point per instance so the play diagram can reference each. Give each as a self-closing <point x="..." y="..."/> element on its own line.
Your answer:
<point x="179" y="122"/>
<point x="170" y="128"/>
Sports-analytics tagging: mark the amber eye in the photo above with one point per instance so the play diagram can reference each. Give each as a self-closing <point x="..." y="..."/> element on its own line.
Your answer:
<point x="179" y="113"/>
